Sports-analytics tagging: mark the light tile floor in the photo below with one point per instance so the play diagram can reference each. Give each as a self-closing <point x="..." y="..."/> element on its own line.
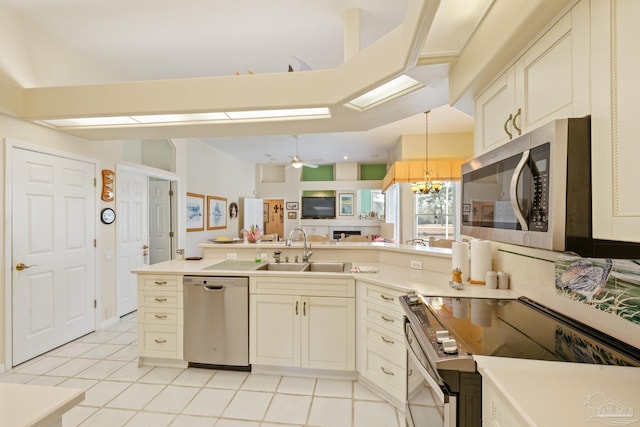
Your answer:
<point x="119" y="393"/>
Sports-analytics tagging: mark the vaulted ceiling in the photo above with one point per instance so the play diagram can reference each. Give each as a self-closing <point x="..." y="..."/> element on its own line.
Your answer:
<point x="162" y="41"/>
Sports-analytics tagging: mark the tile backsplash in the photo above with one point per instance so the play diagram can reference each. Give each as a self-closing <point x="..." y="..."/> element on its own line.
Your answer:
<point x="612" y="307"/>
<point x="609" y="285"/>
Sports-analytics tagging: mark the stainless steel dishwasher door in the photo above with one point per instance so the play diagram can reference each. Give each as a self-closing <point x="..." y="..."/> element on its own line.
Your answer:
<point x="216" y="321"/>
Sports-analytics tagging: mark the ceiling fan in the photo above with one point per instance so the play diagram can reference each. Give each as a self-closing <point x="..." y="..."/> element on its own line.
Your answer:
<point x="297" y="162"/>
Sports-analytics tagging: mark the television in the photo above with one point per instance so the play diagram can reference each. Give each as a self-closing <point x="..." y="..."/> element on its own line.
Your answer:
<point x="318" y="207"/>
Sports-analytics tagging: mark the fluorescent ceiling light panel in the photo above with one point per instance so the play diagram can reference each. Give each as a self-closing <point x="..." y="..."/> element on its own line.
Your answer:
<point x="149" y="119"/>
<point x="386" y="92"/>
<point x="173" y="118"/>
<point x="272" y="114"/>
<point x="92" y="121"/>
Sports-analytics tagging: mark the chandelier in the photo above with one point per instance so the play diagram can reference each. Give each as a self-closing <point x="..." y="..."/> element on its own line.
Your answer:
<point x="426" y="186"/>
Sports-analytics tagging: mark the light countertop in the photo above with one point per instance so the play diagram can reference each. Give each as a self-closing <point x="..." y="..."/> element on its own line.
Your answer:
<point x="400" y="278"/>
<point x="549" y="394"/>
<point x="35" y="405"/>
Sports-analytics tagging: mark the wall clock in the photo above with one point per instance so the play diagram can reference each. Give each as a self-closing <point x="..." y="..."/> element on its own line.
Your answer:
<point x="107" y="216"/>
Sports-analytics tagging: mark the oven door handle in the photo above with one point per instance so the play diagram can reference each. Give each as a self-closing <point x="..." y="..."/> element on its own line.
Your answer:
<point x="513" y="191"/>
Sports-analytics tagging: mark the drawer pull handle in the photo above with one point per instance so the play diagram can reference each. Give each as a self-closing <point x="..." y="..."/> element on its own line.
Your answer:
<point x="304" y="308"/>
<point x="161" y="299"/>
<point x="386" y="298"/>
<point x="297" y="307"/>
<point x="387" y="340"/>
<point x="386" y="319"/>
<point x="160" y="340"/>
<point x="157" y="282"/>
<point x="386" y="372"/>
<point x="161" y="316"/>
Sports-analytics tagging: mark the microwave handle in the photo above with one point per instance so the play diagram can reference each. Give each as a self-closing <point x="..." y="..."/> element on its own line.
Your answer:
<point x="513" y="191"/>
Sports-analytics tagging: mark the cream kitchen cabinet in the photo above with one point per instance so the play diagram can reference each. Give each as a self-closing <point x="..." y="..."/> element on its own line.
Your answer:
<point x="496" y="409"/>
<point x="615" y="92"/>
<point x="381" y="351"/>
<point x="549" y="81"/>
<point x="302" y="323"/>
<point x="160" y="319"/>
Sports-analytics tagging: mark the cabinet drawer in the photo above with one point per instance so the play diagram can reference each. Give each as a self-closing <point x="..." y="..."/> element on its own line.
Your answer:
<point x="166" y="316"/>
<point x="384" y="297"/>
<point x="158" y="299"/>
<point x="385" y="318"/>
<point x="384" y="338"/>
<point x="385" y="373"/>
<point x="308" y="286"/>
<point x="156" y="282"/>
<point x="158" y="340"/>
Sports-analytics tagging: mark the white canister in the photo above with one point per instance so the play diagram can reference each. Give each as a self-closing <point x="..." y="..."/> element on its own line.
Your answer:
<point x="180" y="254"/>
<point x="503" y="280"/>
<point x="491" y="280"/>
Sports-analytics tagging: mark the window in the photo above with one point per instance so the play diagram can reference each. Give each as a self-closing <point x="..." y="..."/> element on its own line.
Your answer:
<point x="436" y="214"/>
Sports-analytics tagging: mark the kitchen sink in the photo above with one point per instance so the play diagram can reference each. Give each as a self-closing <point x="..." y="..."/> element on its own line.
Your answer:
<point x="330" y="267"/>
<point x="285" y="266"/>
<point x="320" y="266"/>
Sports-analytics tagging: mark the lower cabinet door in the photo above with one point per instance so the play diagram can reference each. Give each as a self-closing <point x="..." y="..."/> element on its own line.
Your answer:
<point x="275" y="330"/>
<point x="328" y="333"/>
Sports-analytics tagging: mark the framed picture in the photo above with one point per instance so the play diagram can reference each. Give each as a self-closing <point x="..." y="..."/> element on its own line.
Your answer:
<point x="233" y="210"/>
<point x="216" y="213"/>
<point x="292" y="215"/>
<point x="292" y="206"/>
<point x="345" y="204"/>
<point x="195" y="212"/>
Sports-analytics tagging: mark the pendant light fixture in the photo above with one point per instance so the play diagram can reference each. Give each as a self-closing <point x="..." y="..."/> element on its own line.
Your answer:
<point x="426" y="186"/>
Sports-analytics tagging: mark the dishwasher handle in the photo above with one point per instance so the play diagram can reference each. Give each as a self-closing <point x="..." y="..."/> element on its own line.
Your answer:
<point x="214" y="288"/>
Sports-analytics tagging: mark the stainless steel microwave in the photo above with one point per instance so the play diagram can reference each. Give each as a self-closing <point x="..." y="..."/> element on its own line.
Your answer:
<point x="532" y="191"/>
<point x="535" y="191"/>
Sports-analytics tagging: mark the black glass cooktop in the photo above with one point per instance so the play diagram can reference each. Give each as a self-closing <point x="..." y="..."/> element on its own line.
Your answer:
<point x="522" y="328"/>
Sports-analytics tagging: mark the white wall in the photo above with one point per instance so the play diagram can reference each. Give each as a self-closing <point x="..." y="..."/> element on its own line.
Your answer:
<point x="213" y="173"/>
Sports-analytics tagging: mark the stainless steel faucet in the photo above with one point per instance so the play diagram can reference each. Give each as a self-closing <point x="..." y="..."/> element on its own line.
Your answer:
<point x="307" y="249"/>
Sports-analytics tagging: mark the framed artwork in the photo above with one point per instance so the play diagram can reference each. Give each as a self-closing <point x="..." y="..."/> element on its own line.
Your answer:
<point x="195" y="212"/>
<point x="345" y="203"/>
<point x="233" y="210"/>
<point x="292" y="206"/>
<point x="292" y="215"/>
<point x="216" y="213"/>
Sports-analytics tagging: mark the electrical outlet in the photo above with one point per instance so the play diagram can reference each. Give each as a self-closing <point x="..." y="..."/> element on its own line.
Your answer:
<point x="416" y="264"/>
<point x="232" y="255"/>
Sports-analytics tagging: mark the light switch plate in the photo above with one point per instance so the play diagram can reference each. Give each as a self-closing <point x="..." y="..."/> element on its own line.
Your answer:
<point x="416" y="264"/>
<point x="232" y="255"/>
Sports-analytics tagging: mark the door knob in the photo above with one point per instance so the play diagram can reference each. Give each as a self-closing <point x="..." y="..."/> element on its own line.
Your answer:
<point x="21" y="266"/>
<point x="145" y="247"/>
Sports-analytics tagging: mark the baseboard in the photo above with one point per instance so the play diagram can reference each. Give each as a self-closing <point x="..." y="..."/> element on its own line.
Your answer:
<point x="304" y="372"/>
<point x="2" y="370"/>
<point x="107" y="323"/>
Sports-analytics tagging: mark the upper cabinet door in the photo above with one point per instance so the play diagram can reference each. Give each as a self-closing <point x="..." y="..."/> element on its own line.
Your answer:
<point x="549" y="81"/>
<point x="615" y="90"/>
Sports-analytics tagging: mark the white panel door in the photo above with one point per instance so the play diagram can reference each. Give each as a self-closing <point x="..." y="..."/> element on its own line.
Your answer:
<point x="53" y="232"/>
<point x="132" y="235"/>
<point x="159" y="221"/>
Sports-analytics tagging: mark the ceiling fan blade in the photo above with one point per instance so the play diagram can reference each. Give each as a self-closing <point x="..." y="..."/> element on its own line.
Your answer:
<point x="309" y="165"/>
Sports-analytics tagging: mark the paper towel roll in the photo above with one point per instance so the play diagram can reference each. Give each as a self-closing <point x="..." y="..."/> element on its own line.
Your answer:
<point x="480" y="261"/>
<point x="460" y="259"/>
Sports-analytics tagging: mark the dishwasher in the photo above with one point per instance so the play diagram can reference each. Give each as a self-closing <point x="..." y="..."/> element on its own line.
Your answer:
<point x="216" y="322"/>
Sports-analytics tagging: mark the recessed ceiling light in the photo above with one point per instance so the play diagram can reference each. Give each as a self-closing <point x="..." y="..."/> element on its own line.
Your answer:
<point x="399" y="86"/>
<point x="345" y="157"/>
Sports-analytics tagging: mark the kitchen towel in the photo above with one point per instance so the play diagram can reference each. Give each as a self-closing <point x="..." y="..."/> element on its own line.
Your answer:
<point x="460" y="259"/>
<point x="480" y="261"/>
